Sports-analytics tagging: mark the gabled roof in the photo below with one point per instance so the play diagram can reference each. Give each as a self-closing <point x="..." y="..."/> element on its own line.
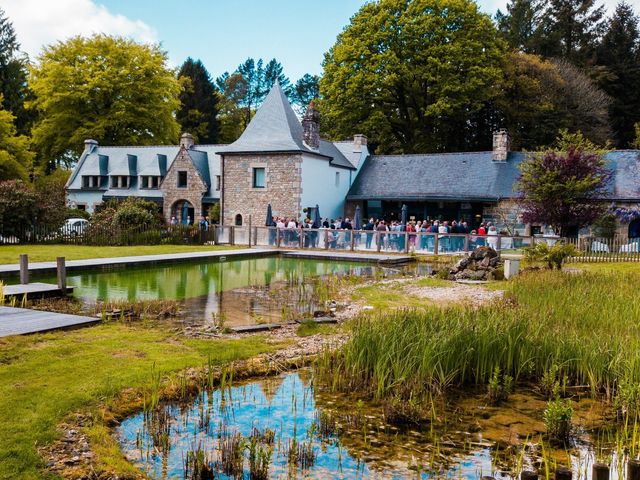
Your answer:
<point x="469" y="177"/>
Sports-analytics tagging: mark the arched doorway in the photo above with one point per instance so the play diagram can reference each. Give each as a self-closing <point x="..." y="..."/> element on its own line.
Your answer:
<point x="238" y="220"/>
<point x="634" y="228"/>
<point x="183" y="212"/>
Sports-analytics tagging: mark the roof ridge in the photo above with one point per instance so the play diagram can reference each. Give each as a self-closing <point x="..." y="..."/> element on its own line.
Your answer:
<point x="486" y="152"/>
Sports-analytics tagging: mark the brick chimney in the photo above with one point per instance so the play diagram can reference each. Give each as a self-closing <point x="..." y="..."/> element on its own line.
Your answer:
<point x="359" y="141"/>
<point x="90" y="144"/>
<point x="501" y="146"/>
<point x="311" y="126"/>
<point x="186" y="141"/>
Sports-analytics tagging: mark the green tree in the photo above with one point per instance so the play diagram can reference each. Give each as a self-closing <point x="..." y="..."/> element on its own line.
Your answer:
<point x="402" y="70"/>
<point x="108" y="88"/>
<point x="619" y="55"/>
<point x="521" y="26"/>
<point x="571" y="29"/>
<point x="232" y="118"/>
<point x="306" y="89"/>
<point x="257" y="79"/>
<point x="13" y="76"/>
<point x="16" y="159"/>
<point x="529" y="102"/>
<point x="198" y="102"/>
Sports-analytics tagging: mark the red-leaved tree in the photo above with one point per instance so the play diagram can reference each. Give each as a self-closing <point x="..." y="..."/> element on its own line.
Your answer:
<point x="565" y="190"/>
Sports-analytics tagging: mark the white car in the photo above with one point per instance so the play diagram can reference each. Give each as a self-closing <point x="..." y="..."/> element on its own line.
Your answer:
<point x="74" y="226"/>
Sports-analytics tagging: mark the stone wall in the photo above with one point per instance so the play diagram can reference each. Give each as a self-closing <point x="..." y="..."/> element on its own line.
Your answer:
<point x="196" y="187"/>
<point x="283" y="187"/>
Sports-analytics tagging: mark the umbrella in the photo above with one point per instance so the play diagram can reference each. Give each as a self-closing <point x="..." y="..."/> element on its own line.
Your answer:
<point x="404" y="217"/>
<point x="269" y="222"/>
<point x="317" y="221"/>
<point x="357" y="219"/>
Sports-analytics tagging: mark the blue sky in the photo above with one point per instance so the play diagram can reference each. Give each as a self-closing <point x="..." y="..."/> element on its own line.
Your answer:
<point x="222" y="33"/>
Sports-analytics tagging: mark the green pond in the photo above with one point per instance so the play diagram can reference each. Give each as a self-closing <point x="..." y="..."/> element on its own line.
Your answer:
<point x="246" y="291"/>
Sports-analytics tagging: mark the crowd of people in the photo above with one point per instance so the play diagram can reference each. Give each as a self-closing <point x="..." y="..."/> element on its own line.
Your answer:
<point x="451" y="235"/>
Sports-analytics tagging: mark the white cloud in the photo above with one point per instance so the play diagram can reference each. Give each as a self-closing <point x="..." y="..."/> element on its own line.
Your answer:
<point x="38" y="23"/>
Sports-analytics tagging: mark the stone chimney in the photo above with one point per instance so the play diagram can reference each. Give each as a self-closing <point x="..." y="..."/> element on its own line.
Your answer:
<point x="186" y="141"/>
<point x="90" y="144"/>
<point x="501" y="146"/>
<point x="359" y="141"/>
<point x="311" y="127"/>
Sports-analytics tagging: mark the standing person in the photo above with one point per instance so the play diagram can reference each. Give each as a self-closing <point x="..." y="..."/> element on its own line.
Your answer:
<point x="492" y="238"/>
<point x="325" y="223"/>
<point x="203" y="224"/>
<point x="347" y="227"/>
<point x="369" y="229"/>
<point x="443" y="230"/>
<point x="291" y="227"/>
<point x="381" y="229"/>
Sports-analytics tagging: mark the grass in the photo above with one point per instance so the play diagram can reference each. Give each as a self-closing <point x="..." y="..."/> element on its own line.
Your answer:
<point x="45" y="253"/>
<point x="45" y="377"/>
<point x="309" y="328"/>
<point x="586" y="324"/>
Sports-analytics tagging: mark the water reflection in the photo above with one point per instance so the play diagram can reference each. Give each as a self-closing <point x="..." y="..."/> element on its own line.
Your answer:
<point x="238" y="289"/>
<point x="289" y="406"/>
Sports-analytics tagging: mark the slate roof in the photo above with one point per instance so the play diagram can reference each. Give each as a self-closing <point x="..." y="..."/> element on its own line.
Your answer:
<point x="469" y="177"/>
<point x="276" y="128"/>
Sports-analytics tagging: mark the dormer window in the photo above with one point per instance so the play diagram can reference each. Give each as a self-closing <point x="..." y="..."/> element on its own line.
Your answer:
<point x="150" y="182"/>
<point x="182" y="179"/>
<point x="91" y="181"/>
<point x="119" y="181"/>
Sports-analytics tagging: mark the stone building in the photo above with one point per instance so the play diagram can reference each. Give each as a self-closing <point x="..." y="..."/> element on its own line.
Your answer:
<point x="282" y="161"/>
<point x="275" y="161"/>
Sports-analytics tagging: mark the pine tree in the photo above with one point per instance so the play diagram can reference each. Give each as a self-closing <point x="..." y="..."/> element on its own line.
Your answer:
<point x="306" y="89"/>
<point x="571" y="29"/>
<point x="521" y="26"/>
<point x="13" y="76"/>
<point x="198" y="102"/>
<point x="619" y="55"/>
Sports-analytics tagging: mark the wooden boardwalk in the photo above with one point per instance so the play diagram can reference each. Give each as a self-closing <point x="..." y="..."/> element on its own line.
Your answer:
<point x="34" y="290"/>
<point x="20" y="321"/>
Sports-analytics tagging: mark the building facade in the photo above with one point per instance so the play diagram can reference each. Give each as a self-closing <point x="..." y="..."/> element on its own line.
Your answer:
<point x="282" y="161"/>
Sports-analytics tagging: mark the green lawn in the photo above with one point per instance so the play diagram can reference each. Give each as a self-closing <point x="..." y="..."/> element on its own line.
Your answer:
<point x="44" y="253"/>
<point x="45" y="377"/>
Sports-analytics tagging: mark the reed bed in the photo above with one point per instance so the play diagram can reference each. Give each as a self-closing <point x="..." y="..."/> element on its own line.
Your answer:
<point x="584" y="328"/>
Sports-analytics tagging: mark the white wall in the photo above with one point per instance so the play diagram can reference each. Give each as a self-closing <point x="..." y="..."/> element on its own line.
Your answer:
<point x="88" y="198"/>
<point x="318" y="186"/>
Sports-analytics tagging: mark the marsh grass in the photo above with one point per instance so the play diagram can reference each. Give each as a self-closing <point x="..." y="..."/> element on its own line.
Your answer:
<point x="586" y="325"/>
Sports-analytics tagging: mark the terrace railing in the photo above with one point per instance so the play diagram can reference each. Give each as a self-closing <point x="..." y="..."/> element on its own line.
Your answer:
<point x="590" y="249"/>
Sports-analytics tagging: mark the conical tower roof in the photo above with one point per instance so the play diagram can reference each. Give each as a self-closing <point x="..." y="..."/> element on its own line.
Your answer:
<point x="274" y="128"/>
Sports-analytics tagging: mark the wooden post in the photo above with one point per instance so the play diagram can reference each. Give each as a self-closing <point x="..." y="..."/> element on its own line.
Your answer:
<point x="24" y="269"/>
<point x="300" y="238"/>
<point x="600" y="471"/>
<point x="528" y="475"/>
<point x="62" y="274"/>
<point x="353" y="239"/>
<point x="436" y="244"/>
<point x="406" y="241"/>
<point x="278" y="237"/>
<point x="466" y="242"/>
<point x="633" y="470"/>
<point x="326" y="239"/>
<point x="563" y="473"/>
<point x="378" y="241"/>
<point x="232" y="235"/>
<point x="249" y="231"/>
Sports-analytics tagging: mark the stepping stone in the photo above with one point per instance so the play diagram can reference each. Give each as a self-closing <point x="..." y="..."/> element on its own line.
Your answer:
<point x="263" y="327"/>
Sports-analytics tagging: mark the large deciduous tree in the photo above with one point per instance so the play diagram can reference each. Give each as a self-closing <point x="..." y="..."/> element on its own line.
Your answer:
<point x="16" y="160"/>
<point x="563" y="189"/>
<point x="13" y="76"/>
<point x="198" y="102"/>
<point x="108" y="88"/>
<point x="404" y="71"/>
<point x="619" y="55"/>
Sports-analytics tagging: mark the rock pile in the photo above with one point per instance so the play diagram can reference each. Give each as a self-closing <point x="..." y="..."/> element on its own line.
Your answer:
<point x="481" y="264"/>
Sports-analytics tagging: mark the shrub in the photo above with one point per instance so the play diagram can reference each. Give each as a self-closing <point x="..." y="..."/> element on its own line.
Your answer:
<point x="627" y="400"/>
<point x="553" y="256"/>
<point x="557" y="419"/>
